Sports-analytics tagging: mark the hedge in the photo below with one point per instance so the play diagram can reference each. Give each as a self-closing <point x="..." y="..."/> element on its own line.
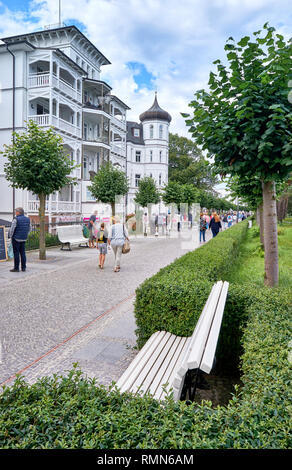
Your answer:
<point x="73" y="412"/>
<point x="173" y="299"/>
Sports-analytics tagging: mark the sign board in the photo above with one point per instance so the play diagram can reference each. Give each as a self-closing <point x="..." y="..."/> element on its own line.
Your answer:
<point x="3" y="246"/>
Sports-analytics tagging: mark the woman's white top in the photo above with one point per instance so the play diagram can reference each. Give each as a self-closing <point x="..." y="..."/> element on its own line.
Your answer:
<point x="117" y="234"/>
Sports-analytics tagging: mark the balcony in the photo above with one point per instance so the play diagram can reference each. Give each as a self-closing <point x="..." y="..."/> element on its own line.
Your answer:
<point x="54" y="206"/>
<point x="118" y="150"/>
<point x="46" y="79"/>
<point x="57" y="122"/>
<point x="119" y="123"/>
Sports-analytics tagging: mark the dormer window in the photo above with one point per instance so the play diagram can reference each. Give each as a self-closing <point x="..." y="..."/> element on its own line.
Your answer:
<point x="136" y="132"/>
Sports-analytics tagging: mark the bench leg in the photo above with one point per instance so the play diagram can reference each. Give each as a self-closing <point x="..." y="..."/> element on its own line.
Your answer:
<point x="69" y="247"/>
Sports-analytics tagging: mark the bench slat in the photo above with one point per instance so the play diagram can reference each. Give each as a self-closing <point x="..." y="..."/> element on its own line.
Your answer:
<point x="201" y="336"/>
<point x="208" y="357"/>
<point x="150" y="365"/>
<point x="209" y="305"/>
<point x="130" y="374"/>
<point x="163" y="365"/>
<point x="175" y="363"/>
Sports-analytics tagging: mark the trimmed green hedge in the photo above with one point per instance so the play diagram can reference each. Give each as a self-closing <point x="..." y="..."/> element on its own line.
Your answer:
<point x="72" y="412"/>
<point x="173" y="299"/>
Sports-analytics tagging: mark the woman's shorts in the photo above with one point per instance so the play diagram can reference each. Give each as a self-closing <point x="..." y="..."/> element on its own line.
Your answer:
<point x="102" y="248"/>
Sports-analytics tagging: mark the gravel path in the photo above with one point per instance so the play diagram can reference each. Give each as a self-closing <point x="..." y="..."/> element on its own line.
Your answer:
<point x="66" y="310"/>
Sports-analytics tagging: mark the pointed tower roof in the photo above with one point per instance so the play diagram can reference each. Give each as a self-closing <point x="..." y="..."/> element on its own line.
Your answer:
<point x="155" y="112"/>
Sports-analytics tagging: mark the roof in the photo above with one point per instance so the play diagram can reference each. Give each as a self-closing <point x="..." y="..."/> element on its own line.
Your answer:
<point x="130" y="133"/>
<point x="64" y="28"/>
<point x="155" y="112"/>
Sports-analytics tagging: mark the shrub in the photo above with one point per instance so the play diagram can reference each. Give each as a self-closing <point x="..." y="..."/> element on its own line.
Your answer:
<point x="73" y="412"/>
<point x="33" y="240"/>
<point x="173" y="299"/>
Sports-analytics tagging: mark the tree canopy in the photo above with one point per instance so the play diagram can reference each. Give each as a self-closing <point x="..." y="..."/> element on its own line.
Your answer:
<point x="109" y="183"/>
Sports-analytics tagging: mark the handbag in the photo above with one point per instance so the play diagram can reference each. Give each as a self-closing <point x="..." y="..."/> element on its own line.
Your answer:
<point x="126" y="246"/>
<point x="10" y="251"/>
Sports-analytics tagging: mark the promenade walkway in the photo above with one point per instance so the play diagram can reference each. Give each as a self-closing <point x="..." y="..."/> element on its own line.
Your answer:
<point x="65" y="310"/>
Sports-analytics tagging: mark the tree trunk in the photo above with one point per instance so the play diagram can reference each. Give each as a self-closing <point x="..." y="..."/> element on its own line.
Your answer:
<point x="271" y="236"/>
<point x="113" y="209"/>
<point x="262" y="229"/>
<point x="42" y="208"/>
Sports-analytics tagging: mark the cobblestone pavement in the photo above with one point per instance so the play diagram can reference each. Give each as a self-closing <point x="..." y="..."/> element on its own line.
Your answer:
<point x="65" y="310"/>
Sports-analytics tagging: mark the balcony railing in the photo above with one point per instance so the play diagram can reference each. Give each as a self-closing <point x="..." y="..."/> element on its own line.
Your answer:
<point x="117" y="149"/>
<point x="96" y="139"/>
<point x="54" y="206"/>
<point x="117" y="122"/>
<point x="44" y="79"/>
<point x="59" y="123"/>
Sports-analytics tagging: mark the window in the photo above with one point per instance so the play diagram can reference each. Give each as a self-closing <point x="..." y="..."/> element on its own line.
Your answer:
<point x="160" y="156"/>
<point x="136" y="132"/>
<point x="150" y="175"/>
<point x="138" y="156"/>
<point x="160" y="131"/>
<point x="151" y="131"/>
<point x="160" y="179"/>
<point x="151" y="155"/>
<point x="137" y="180"/>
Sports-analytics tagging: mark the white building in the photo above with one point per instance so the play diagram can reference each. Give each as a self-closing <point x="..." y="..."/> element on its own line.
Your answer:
<point x="147" y="149"/>
<point x="53" y="77"/>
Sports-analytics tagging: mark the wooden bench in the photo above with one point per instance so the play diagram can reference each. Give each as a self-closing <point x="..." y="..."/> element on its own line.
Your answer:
<point x="71" y="235"/>
<point x="165" y="361"/>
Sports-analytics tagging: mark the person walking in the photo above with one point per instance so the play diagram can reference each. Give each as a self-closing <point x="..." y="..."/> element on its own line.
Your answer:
<point x="215" y="224"/>
<point x="91" y="228"/>
<point x="203" y="227"/>
<point x="116" y="239"/>
<point x="207" y="219"/>
<point x="229" y="220"/>
<point x="101" y="244"/>
<point x="18" y="233"/>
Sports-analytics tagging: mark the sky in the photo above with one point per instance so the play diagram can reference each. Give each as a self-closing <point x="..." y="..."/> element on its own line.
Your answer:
<point x="167" y="46"/>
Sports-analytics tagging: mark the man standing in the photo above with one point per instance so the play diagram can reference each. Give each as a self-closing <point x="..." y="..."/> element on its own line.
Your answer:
<point x="18" y="232"/>
<point x="91" y="224"/>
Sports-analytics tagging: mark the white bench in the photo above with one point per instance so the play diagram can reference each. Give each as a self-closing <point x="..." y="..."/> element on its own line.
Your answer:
<point x="71" y="235"/>
<point x="165" y="359"/>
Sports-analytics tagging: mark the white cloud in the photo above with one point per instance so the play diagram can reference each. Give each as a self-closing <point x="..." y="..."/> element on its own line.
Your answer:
<point x="176" y="41"/>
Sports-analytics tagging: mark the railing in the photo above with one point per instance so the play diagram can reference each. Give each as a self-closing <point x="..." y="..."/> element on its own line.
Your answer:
<point x="118" y="123"/>
<point x="39" y="80"/>
<point x="44" y="79"/>
<point x="40" y="119"/>
<point x="55" y="206"/>
<point x="59" y="123"/>
<point x="117" y="149"/>
<point x="96" y="139"/>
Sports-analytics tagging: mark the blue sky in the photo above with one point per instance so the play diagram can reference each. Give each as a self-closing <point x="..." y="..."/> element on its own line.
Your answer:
<point x="162" y="45"/>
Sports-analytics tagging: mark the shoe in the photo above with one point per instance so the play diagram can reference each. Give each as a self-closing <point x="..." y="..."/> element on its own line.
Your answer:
<point x="14" y="270"/>
<point x="23" y="270"/>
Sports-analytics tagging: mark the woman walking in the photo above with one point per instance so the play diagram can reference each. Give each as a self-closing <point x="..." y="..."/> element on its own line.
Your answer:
<point x="203" y="227"/>
<point x="215" y="224"/>
<point x="117" y="236"/>
<point x="101" y="244"/>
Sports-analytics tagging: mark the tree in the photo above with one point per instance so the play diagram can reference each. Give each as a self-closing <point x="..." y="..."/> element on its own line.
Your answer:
<point x="109" y="183"/>
<point x="187" y="164"/>
<point x="36" y="162"/>
<point x="175" y="193"/>
<point x="244" y="121"/>
<point x="147" y="192"/>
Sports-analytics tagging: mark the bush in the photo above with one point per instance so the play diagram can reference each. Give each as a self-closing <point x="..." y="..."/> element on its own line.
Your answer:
<point x="33" y="240"/>
<point x="173" y="299"/>
<point x="73" y="412"/>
